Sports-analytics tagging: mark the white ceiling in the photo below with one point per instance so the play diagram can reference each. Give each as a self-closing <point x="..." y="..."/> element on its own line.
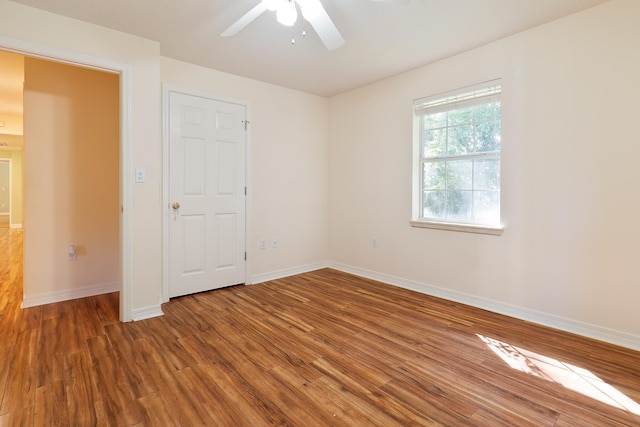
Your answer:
<point x="383" y="37"/>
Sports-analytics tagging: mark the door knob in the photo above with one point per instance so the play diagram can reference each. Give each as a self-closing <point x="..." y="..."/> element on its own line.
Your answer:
<point x="175" y="205"/>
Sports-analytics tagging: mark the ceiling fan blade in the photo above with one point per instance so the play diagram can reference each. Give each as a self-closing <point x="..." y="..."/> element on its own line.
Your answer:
<point x="326" y="30"/>
<point x="245" y="20"/>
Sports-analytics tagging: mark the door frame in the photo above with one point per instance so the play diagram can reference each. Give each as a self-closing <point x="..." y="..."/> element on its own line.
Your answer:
<point x="167" y="89"/>
<point x="49" y="53"/>
<point x="9" y="161"/>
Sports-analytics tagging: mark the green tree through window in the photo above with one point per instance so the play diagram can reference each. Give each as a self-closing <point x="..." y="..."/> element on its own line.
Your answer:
<point x="459" y="164"/>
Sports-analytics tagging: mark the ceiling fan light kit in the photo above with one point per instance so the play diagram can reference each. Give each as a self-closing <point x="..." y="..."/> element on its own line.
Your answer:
<point x="287" y="15"/>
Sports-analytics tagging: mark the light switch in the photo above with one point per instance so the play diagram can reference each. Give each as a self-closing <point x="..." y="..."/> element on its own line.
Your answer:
<point x="140" y="175"/>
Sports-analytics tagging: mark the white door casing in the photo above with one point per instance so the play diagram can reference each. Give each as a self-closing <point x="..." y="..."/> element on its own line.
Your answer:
<point x="47" y="52"/>
<point x="5" y="188"/>
<point x="207" y="212"/>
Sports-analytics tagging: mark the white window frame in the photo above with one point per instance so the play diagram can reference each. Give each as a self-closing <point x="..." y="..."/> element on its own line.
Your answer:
<point x="472" y="95"/>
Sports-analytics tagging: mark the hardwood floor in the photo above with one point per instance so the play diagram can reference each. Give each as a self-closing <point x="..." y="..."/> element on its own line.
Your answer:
<point x="318" y="349"/>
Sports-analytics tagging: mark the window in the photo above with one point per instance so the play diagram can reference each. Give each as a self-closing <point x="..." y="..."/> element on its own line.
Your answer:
<point x="457" y="160"/>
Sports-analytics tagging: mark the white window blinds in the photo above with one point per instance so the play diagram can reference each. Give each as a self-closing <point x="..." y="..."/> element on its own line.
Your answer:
<point x="483" y="93"/>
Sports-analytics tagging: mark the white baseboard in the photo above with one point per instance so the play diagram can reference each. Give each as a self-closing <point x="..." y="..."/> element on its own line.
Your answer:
<point x="568" y="325"/>
<point x="279" y="274"/>
<point x="15" y="226"/>
<point x="146" y="313"/>
<point x="154" y="311"/>
<point x="69" y="294"/>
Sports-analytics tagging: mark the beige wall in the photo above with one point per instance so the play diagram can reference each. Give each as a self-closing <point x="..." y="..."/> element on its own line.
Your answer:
<point x="569" y="246"/>
<point x="287" y="159"/>
<point x="71" y="121"/>
<point x="25" y="27"/>
<point x="569" y="162"/>
<point x="16" y="185"/>
<point x="12" y="124"/>
<point x="11" y="132"/>
<point x="288" y="164"/>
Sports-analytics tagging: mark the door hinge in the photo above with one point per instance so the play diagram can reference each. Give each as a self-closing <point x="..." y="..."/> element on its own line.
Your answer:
<point x="245" y="191"/>
<point x="245" y="256"/>
<point x="246" y="124"/>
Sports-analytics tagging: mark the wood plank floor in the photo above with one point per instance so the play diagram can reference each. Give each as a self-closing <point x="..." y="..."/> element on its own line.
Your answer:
<point x="318" y="349"/>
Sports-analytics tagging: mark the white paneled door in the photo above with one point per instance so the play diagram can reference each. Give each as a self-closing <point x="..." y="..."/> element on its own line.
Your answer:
<point x="207" y="143"/>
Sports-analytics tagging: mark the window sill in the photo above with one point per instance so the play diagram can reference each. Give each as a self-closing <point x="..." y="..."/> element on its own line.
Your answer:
<point x="465" y="228"/>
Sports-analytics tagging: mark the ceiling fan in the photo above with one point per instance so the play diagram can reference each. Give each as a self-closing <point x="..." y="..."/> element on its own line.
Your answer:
<point x="287" y="14"/>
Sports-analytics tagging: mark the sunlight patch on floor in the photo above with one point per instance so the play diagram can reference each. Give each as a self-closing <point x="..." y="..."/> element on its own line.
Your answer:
<point x="569" y="376"/>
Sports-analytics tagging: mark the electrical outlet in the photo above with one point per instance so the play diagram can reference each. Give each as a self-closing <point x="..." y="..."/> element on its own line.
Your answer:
<point x="374" y="242"/>
<point x="140" y="174"/>
<point x="274" y="243"/>
<point x="72" y="255"/>
<point x="263" y="244"/>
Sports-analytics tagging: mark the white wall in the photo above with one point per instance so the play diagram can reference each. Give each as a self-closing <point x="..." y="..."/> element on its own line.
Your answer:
<point x="288" y="157"/>
<point x="288" y="181"/>
<point x="568" y="255"/>
<point x="568" y="250"/>
<point x="25" y="26"/>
